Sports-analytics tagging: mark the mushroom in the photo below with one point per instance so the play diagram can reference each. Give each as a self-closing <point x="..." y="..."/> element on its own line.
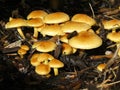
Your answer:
<point x="16" y="23"/>
<point x="101" y="66"/>
<point x="114" y="36"/>
<point x="83" y="18"/>
<point x="71" y="26"/>
<point x="85" y="40"/>
<point x="67" y="49"/>
<point x="111" y="24"/>
<point x="55" y="64"/>
<point x="44" y="58"/>
<point x="34" y="59"/>
<point x="25" y="47"/>
<point x="63" y="38"/>
<point x="56" y="17"/>
<point x="42" y="69"/>
<point x="37" y="14"/>
<point x="44" y="46"/>
<point x="36" y="20"/>
<point x="21" y="52"/>
<point x="51" y="30"/>
<point x="36" y="23"/>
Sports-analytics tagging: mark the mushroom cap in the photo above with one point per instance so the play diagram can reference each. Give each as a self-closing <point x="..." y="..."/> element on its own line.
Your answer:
<point x="42" y="69"/>
<point x="35" y="44"/>
<point x="46" y="46"/>
<point x="56" y="17"/>
<point x="66" y="49"/>
<point x="72" y="26"/>
<point x="21" y="51"/>
<point x="101" y="66"/>
<point x="25" y="47"/>
<point x="37" y="14"/>
<point x="110" y="24"/>
<point x="52" y="30"/>
<point x="83" y="18"/>
<point x="34" y="60"/>
<point x="16" y="22"/>
<point x="44" y="56"/>
<point x="55" y="63"/>
<point x="114" y="36"/>
<point x="85" y="40"/>
<point x="35" y="22"/>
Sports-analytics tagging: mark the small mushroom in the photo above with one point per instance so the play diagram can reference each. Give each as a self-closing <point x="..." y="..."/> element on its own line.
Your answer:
<point x="114" y="36"/>
<point x="21" y="52"/>
<point x="25" y="47"/>
<point x="42" y="69"/>
<point x="111" y="24"/>
<point x="101" y="66"/>
<point x="55" y="64"/>
<point x="63" y="38"/>
<point x="44" y="58"/>
<point x="67" y="49"/>
<point x="34" y="59"/>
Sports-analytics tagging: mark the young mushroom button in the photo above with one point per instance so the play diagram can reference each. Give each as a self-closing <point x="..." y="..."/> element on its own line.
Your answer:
<point x="101" y="66"/>
<point x="25" y="47"/>
<point x="21" y="52"/>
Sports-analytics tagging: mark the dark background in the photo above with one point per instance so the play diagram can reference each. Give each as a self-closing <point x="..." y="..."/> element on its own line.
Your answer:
<point x="69" y="6"/>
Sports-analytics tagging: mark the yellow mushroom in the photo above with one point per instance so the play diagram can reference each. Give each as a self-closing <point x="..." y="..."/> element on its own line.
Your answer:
<point x="55" y="64"/>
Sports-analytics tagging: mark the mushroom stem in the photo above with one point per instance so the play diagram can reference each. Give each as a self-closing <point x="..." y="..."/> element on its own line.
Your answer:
<point x="21" y="56"/>
<point x="113" y="30"/>
<point x="55" y="71"/>
<point x="46" y="62"/>
<point x="35" y="35"/>
<point x="20" y="32"/>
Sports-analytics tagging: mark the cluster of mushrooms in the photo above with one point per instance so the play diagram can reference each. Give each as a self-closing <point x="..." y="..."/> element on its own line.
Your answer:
<point x="60" y="25"/>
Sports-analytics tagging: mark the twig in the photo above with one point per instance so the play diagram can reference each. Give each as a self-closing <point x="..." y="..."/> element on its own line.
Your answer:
<point x="93" y="14"/>
<point x="111" y="61"/>
<point x="103" y="84"/>
<point x="106" y="85"/>
<point x="10" y="50"/>
<point x="112" y="12"/>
